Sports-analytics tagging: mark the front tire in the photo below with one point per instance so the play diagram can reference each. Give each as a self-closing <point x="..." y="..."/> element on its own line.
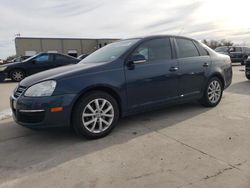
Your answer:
<point x="95" y="115"/>
<point x="213" y="93"/>
<point x="17" y="75"/>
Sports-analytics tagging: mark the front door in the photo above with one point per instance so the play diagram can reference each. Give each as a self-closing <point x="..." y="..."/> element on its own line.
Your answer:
<point x="41" y="63"/>
<point x="156" y="80"/>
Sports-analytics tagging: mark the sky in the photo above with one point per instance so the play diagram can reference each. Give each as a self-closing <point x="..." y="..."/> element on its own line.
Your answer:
<point x="199" y="19"/>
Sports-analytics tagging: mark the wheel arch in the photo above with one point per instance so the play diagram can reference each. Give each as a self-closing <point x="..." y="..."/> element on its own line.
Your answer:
<point x="220" y="77"/>
<point x="103" y="88"/>
<point x="16" y="68"/>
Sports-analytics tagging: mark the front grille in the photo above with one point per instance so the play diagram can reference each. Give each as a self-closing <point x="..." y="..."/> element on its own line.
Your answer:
<point x="19" y="91"/>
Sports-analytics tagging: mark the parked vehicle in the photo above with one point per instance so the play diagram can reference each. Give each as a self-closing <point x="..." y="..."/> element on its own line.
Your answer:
<point x="248" y="68"/>
<point x="81" y="57"/>
<point x="120" y="79"/>
<point x="40" y="62"/>
<point x="236" y="53"/>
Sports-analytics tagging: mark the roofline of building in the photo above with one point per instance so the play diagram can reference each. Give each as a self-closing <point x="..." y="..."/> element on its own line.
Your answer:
<point x="62" y="38"/>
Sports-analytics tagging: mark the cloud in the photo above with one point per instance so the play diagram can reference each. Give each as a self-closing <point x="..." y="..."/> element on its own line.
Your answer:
<point x="121" y="19"/>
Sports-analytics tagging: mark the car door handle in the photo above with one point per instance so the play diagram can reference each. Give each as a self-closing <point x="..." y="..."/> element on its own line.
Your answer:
<point x="205" y="65"/>
<point x="173" y="69"/>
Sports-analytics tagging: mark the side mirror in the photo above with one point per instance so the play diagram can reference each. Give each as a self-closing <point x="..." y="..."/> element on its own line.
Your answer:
<point x="231" y="50"/>
<point x="138" y="59"/>
<point x="33" y="61"/>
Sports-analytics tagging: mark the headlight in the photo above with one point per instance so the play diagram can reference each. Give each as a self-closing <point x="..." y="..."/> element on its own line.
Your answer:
<point x="42" y="89"/>
<point x="2" y="68"/>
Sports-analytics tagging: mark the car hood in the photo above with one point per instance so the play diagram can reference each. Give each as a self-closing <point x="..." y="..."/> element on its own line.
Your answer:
<point x="60" y="73"/>
<point x="10" y="64"/>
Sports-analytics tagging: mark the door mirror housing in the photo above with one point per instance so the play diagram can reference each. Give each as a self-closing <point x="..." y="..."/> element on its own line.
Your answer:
<point x="138" y="59"/>
<point x="231" y="50"/>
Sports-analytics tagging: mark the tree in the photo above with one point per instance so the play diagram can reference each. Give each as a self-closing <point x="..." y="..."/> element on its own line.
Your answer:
<point x="217" y="43"/>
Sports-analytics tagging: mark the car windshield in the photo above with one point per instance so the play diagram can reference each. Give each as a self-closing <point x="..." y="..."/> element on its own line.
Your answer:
<point x="32" y="57"/>
<point x="110" y="52"/>
<point x="221" y="49"/>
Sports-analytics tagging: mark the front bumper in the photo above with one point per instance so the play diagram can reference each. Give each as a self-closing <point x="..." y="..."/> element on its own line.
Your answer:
<point x="236" y="60"/>
<point x="35" y="112"/>
<point x="248" y="71"/>
<point x="3" y="75"/>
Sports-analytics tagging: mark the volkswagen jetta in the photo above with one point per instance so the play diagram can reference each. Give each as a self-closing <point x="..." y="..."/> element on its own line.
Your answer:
<point x="120" y="79"/>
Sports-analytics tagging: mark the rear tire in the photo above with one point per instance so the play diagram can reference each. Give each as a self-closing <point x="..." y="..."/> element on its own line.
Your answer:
<point x="17" y="75"/>
<point x="248" y="77"/>
<point x="213" y="93"/>
<point x="244" y="61"/>
<point x="95" y="115"/>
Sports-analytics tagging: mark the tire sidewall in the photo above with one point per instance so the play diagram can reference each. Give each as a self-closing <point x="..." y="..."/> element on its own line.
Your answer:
<point x="79" y="108"/>
<point x="206" y="92"/>
<point x="248" y="76"/>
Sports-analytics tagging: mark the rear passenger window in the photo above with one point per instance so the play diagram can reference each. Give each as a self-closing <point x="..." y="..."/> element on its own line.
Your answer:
<point x="186" y="48"/>
<point x="61" y="58"/>
<point x="202" y="50"/>
<point x="156" y="49"/>
<point x="238" y="49"/>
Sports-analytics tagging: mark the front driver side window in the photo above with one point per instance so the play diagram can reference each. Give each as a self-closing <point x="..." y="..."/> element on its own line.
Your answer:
<point x="142" y="50"/>
<point x="42" y="58"/>
<point x="155" y="49"/>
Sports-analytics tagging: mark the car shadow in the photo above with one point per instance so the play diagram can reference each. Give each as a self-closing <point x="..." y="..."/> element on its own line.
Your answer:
<point x="237" y="65"/>
<point x="7" y="81"/>
<point x="42" y="150"/>
<point x="240" y="88"/>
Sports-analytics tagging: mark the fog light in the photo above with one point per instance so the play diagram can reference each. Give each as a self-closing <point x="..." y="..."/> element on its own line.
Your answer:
<point x="56" y="109"/>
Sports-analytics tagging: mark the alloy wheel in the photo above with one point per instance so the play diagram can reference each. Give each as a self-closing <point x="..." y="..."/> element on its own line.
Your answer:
<point x="214" y="91"/>
<point x="98" y="115"/>
<point x="17" y="75"/>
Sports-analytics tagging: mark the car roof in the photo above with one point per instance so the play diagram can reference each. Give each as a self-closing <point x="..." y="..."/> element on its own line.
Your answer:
<point x="159" y="36"/>
<point x="54" y="53"/>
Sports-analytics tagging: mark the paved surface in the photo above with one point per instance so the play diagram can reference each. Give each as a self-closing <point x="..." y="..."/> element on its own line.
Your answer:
<point x="184" y="146"/>
<point x="6" y="89"/>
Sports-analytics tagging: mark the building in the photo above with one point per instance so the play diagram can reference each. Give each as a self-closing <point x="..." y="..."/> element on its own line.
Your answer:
<point x="27" y="46"/>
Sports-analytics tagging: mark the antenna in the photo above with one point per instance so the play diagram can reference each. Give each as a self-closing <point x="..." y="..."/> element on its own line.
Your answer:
<point x="181" y="31"/>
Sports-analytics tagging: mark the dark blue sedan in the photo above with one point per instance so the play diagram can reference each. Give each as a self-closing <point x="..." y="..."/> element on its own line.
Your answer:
<point x="120" y="79"/>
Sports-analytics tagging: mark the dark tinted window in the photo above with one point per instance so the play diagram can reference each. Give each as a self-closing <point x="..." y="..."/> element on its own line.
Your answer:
<point x="186" y="48"/>
<point x="61" y="58"/>
<point x="238" y="49"/>
<point x="247" y="50"/>
<point x="235" y="49"/>
<point x="221" y="49"/>
<point x="156" y="49"/>
<point x="202" y="51"/>
<point x="42" y="58"/>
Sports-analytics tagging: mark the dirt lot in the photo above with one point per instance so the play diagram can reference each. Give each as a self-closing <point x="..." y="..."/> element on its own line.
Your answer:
<point x="183" y="146"/>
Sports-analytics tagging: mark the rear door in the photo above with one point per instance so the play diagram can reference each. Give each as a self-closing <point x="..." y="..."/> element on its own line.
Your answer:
<point x="156" y="80"/>
<point x="194" y="63"/>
